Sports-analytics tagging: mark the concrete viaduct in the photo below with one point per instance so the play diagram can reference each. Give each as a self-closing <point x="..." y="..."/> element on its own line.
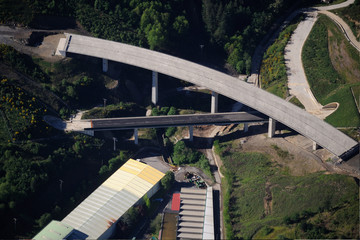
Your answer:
<point x="190" y="120"/>
<point x="276" y="108"/>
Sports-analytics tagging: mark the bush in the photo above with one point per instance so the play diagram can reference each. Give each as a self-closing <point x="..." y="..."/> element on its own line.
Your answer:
<point x="167" y="180"/>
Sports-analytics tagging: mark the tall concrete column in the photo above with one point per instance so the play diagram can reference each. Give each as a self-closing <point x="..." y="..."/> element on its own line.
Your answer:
<point x="154" y="89"/>
<point x="105" y="65"/>
<point x="191" y="133"/>
<point x="246" y="127"/>
<point x="136" y="136"/>
<point x="214" y="102"/>
<point x="315" y="146"/>
<point x="272" y="126"/>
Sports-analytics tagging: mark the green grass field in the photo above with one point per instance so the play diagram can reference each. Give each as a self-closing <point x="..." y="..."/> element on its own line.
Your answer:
<point x="331" y="64"/>
<point x="319" y="201"/>
<point x="351" y="15"/>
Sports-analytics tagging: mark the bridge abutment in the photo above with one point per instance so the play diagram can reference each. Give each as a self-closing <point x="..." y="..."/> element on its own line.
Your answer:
<point x="315" y="146"/>
<point x="105" y="65"/>
<point x="214" y="102"/>
<point x="272" y="126"/>
<point x="154" y="88"/>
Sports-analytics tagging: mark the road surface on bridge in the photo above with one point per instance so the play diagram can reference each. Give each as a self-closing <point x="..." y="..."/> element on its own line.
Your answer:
<point x="290" y="115"/>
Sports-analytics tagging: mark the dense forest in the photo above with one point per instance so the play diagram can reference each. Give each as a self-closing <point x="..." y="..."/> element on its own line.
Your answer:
<point x="209" y="31"/>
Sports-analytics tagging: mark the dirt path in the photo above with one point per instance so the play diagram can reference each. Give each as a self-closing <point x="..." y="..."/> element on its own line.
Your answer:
<point x="18" y="38"/>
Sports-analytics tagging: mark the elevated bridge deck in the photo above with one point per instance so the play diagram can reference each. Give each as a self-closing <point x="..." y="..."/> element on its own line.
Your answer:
<point x="174" y="121"/>
<point x="290" y="115"/>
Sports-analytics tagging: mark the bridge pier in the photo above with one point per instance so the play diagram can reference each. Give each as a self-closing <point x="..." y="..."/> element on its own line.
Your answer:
<point x="246" y="127"/>
<point x="136" y="136"/>
<point x="272" y="126"/>
<point x="214" y="102"/>
<point x="154" y="89"/>
<point x="315" y="146"/>
<point x="191" y="133"/>
<point x="105" y="65"/>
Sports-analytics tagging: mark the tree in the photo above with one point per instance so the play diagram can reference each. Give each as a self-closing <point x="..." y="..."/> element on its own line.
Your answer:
<point x="147" y="201"/>
<point x="181" y="25"/>
<point x="44" y="220"/>
<point x="167" y="180"/>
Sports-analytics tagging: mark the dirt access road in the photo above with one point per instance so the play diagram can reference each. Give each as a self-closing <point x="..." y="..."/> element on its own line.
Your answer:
<point x="46" y="41"/>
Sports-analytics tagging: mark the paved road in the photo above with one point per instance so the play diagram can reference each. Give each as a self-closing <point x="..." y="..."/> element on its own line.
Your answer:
<point x="344" y="28"/>
<point x="297" y="80"/>
<point x="288" y="114"/>
<point x="175" y="120"/>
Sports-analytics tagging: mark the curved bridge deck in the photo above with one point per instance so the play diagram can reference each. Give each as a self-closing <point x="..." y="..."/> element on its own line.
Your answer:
<point x="290" y="115"/>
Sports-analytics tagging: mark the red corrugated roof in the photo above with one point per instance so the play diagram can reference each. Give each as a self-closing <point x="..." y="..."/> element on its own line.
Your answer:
<point x="175" y="204"/>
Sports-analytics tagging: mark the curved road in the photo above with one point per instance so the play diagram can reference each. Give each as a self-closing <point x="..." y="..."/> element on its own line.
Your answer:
<point x="267" y="103"/>
<point x="297" y="81"/>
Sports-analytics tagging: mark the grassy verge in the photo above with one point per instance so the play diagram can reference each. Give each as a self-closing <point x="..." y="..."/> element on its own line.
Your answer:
<point x="115" y="110"/>
<point x="331" y="66"/>
<point x="273" y="69"/>
<point x="351" y="15"/>
<point x="294" y="100"/>
<point x="262" y="201"/>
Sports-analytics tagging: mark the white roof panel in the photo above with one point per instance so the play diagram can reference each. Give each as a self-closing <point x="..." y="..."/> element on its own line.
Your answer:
<point x="113" y="198"/>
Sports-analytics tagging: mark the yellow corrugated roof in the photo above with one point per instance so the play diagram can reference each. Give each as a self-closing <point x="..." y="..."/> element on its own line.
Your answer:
<point x="134" y="176"/>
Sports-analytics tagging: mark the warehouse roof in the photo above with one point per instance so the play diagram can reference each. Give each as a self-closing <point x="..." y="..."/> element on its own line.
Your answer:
<point x="113" y="198"/>
<point x="58" y="230"/>
<point x="196" y="214"/>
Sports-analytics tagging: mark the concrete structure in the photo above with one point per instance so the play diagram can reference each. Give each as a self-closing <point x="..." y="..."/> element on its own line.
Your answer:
<point x="214" y="102"/>
<point x="57" y="230"/>
<point x="136" y="136"/>
<point x="246" y="127"/>
<point x="97" y="215"/>
<point x="154" y="88"/>
<point x="271" y="128"/>
<point x="191" y="133"/>
<point x="196" y="219"/>
<point x="105" y="65"/>
<point x="299" y="120"/>
<point x="172" y="121"/>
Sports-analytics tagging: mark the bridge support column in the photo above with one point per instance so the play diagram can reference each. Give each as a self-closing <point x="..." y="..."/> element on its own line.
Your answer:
<point x="315" y="146"/>
<point x="191" y="133"/>
<point x="154" y="89"/>
<point x="272" y="126"/>
<point x="246" y="127"/>
<point x="105" y="65"/>
<point x="89" y="132"/>
<point x="214" y="102"/>
<point x="136" y="136"/>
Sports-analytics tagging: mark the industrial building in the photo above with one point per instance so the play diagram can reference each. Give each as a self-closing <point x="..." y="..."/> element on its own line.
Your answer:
<point x="97" y="215"/>
<point x="196" y="216"/>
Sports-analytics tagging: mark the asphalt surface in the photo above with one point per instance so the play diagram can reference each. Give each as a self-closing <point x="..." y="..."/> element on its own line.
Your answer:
<point x="175" y="120"/>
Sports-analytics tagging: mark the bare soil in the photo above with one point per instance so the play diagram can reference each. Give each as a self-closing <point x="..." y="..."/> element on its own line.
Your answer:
<point x="342" y="61"/>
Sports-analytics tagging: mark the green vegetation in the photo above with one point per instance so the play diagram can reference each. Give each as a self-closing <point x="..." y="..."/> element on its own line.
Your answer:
<point x="329" y="78"/>
<point x="351" y="16"/>
<point x="229" y="29"/>
<point x="294" y="100"/>
<point x="184" y="155"/>
<point x="262" y="201"/>
<point x="155" y="226"/>
<point x="167" y="180"/>
<point x="273" y="69"/>
<point x="21" y="114"/>
<point x="21" y="63"/>
<point x="121" y="109"/>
